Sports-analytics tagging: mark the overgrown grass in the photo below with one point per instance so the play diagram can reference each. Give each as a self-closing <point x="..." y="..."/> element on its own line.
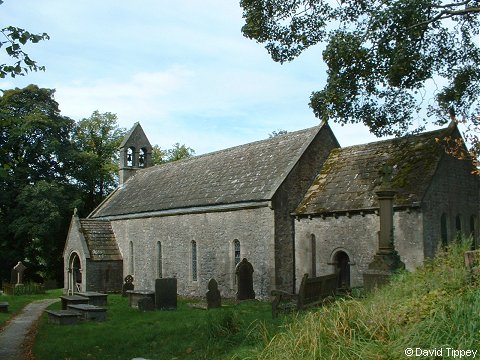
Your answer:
<point x="438" y="306"/>
<point x="186" y="333"/>
<point x="435" y="307"/>
<point x="17" y="302"/>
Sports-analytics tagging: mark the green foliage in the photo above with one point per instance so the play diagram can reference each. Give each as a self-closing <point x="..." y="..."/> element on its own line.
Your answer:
<point x="25" y="289"/>
<point x="96" y="142"/>
<point x="277" y="133"/>
<point x="380" y="56"/>
<point x="187" y="333"/>
<point x="17" y="302"/>
<point x="12" y="41"/>
<point x="34" y="185"/>
<point x="177" y="152"/>
<point x="436" y="306"/>
<point x="48" y="166"/>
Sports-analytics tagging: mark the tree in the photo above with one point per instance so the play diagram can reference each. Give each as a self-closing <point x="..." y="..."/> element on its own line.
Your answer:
<point x="385" y="59"/>
<point x="177" y="152"/>
<point x="12" y="41"/>
<point x="34" y="177"/>
<point x="276" y="133"/>
<point x="96" y="142"/>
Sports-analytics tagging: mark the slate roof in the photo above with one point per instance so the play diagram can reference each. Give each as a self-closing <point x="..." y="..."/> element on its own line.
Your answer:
<point x="100" y="239"/>
<point x="351" y="175"/>
<point x="246" y="173"/>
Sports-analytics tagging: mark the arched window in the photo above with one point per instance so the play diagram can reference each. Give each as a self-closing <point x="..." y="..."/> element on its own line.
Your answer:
<point x="131" y="269"/>
<point x="236" y="251"/>
<point x="473" y="221"/>
<point x="473" y="232"/>
<point x="142" y="157"/>
<point x="194" y="261"/>
<point x="443" y="229"/>
<point x="159" y="260"/>
<point x="458" y="223"/>
<point x="313" y="247"/>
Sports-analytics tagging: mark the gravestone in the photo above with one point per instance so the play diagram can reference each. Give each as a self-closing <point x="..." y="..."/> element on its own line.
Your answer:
<point x="166" y="294"/>
<point x="128" y="285"/>
<point x="17" y="273"/>
<point x="213" y="295"/>
<point x="146" y="304"/>
<point x="244" y="272"/>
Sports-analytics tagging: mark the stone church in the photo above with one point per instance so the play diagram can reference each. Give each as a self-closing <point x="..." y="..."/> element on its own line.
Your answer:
<point x="292" y="204"/>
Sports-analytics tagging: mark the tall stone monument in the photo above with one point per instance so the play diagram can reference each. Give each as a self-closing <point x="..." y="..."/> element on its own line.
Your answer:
<point x="17" y="273"/>
<point x="386" y="261"/>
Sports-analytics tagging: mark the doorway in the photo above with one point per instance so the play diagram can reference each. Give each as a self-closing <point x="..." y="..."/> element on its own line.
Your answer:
<point x="74" y="274"/>
<point x="342" y="269"/>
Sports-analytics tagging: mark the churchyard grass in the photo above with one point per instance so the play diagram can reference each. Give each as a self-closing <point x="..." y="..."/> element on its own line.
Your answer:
<point x="185" y="333"/>
<point x="433" y="309"/>
<point x="17" y="303"/>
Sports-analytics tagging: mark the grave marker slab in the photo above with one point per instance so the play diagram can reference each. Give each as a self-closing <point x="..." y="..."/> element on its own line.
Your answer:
<point x="214" y="299"/>
<point x="90" y="312"/>
<point x="166" y="294"/>
<point x="244" y="272"/>
<point x="94" y="298"/>
<point x="72" y="300"/>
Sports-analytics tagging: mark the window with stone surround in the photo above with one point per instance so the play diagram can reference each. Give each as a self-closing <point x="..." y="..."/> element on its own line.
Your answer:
<point x="159" y="260"/>
<point x="313" y="248"/>
<point x="194" y="261"/>
<point x="236" y="251"/>
<point x="131" y="268"/>
<point x="458" y="224"/>
<point x="473" y="231"/>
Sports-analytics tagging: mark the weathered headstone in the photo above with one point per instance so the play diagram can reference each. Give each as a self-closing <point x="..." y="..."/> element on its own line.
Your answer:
<point x="213" y="295"/>
<point x="146" y="304"/>
<point x="472" y="263"/>
<point x="244" y="272"/>
<point x="18" y="271"/>
<point x="128" y="285"/>
<point x="166" y="294"/>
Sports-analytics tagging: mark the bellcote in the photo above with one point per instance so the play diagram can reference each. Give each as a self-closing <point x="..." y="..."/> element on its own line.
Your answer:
<point x="135" y="153"/>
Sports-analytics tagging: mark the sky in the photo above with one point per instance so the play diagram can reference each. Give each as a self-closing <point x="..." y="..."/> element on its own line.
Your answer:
<point x="181" y="68"/>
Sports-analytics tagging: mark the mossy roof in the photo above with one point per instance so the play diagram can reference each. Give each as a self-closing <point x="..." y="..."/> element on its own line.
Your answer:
<point x="246" y="173"/>
<point x="100" y="240"/>
<point x="351" y="175"/>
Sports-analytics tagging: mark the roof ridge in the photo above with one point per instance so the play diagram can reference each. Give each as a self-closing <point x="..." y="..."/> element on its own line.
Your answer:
<point x="394" y="139"/>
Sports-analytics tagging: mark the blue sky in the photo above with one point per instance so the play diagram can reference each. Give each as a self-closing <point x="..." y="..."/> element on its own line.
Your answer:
<point x="181" y="68"/>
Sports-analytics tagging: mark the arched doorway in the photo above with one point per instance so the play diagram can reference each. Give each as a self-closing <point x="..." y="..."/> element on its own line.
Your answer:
<point x="342" y="269"/>
<point x="74" y="274"/>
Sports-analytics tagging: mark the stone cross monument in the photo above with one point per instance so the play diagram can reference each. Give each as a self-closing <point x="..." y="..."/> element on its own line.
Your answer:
<point x="386" y="261"/>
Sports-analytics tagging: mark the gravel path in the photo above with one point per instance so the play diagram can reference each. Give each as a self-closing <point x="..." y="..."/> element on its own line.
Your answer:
<point x="14" y="334"/>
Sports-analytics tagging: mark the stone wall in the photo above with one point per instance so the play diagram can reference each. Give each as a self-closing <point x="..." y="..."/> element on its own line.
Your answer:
<point x="453" y="191"/>
<point x="214" y="234"/>
<point x="104" y="276"/>
<point x="287" y="199"/>
<point x="357" y="237"/>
